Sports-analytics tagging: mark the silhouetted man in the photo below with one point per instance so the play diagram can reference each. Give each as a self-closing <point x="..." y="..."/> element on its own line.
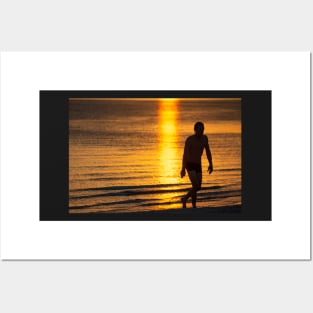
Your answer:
<point x="193" y="150"/>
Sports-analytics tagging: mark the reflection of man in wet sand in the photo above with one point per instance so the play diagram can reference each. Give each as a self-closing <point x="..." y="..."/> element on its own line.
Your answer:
<point x="194" y="146"/>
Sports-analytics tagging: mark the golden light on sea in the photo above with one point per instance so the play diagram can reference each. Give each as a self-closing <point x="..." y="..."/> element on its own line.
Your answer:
<point x="167" y="138"/>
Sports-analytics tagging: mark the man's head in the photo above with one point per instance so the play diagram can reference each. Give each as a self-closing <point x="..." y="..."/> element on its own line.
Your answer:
<point x="199" y="128"/>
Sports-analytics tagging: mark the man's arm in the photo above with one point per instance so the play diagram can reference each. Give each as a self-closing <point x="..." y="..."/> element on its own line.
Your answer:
<point x="209" y="155"/>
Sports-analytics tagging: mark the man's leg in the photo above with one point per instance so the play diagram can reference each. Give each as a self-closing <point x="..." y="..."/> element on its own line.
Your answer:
<point x="195" y="179"/>
<point x="196" y="186"/>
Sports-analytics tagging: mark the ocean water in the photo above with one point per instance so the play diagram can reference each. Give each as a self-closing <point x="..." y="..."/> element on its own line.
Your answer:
<point x="125" y="155"/>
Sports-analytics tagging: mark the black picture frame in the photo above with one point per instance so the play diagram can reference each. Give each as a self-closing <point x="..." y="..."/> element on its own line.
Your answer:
<point x="256" y="154"/>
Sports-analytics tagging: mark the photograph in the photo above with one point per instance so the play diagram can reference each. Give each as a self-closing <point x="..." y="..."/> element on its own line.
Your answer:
<point x="154" y="155"/>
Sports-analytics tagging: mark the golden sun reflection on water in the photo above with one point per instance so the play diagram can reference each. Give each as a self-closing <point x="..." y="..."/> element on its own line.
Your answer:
<point x="167" y="137"/>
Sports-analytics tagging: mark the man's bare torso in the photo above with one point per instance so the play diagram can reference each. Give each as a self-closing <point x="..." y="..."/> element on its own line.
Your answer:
<point x="194" y="148"/>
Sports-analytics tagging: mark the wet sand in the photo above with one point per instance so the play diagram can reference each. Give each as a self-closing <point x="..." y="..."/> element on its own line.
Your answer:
<point x="199" y="214"/>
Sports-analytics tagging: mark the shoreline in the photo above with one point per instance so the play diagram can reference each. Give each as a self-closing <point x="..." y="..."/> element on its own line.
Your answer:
<point x="188" y="214"/>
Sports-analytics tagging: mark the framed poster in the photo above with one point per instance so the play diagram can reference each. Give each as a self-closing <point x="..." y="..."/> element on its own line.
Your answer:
<point x="92" y="148"/>
<point x="117" y="155"/>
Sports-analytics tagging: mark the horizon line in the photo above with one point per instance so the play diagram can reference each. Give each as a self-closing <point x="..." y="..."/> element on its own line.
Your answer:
<point x="156" y="98"/>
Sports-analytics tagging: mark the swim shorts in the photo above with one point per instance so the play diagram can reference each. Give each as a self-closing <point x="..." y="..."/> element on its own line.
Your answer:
<point x="194" y="167"/>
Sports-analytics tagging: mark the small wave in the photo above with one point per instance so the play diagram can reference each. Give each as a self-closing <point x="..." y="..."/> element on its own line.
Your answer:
<point x="106" y="204"/>
<point x="227" y="169"/>
<point x="126" y="192"/>
<point x="105" y="178"/>
<point x="143" y="203"/>
<point x="137" y="187"/>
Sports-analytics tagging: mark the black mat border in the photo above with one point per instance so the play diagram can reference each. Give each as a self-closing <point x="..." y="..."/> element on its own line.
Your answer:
<point x="256" y="153"/>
